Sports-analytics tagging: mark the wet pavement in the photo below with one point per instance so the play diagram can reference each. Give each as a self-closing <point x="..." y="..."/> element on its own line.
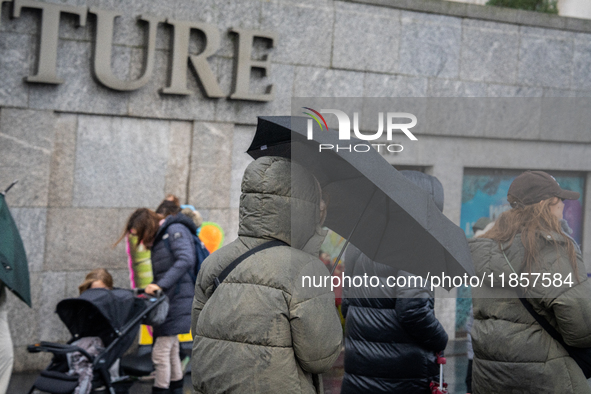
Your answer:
<point x="454" y="374"/>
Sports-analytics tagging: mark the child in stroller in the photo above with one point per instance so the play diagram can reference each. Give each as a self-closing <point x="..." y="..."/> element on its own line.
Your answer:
<point x="103" y="324"/>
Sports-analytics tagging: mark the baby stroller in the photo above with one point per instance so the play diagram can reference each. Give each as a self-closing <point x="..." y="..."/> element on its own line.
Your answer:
<point x="111" y="315"/>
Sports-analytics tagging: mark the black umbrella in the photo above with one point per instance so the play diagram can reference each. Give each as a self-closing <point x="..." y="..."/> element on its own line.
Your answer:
<point x="389" y="218"/>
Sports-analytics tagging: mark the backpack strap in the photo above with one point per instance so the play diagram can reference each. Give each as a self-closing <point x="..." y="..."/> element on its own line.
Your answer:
<point x="201" y="253"/>
<point x="218" y="280"/>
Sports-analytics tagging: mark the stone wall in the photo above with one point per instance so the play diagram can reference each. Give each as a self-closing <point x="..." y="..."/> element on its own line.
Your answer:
<point x="87" y="156"/>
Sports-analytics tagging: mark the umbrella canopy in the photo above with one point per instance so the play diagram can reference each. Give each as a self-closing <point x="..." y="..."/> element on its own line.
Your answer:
<point x="388" y="217"/>
<point x="14" y="269"/>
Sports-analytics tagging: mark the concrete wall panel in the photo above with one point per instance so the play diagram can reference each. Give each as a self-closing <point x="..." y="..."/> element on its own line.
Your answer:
<point x="489" y="51"/>
<point x="121" y="162"/>
<point x="26" y="143"/>
<point x="366" y="38"/>
<point x="545" y="58"/>
<point x="211" y="165"/>
<point x="81" y="239"/>
<point x="430" y="45"/>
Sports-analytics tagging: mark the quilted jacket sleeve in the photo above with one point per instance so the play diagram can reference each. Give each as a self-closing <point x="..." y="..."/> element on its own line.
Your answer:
<point x="199" y="301"/>
<point x="569" y="304"/>
<point x="183" y="254"/>
<point x="415" y="311"/>
<point x="315" y="325"/>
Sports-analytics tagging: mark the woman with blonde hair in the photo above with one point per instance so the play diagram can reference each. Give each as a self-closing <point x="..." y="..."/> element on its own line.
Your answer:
<point x="528" y="256"/>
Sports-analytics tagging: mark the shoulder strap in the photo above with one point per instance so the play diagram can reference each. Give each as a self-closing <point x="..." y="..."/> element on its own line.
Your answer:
<point x="539" y="318"/>
<point x="218" y="280"/>
<point x="543" y="322"/>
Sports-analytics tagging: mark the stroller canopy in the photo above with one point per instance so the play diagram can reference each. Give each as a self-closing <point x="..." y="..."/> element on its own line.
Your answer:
<point x="100" y="313"/>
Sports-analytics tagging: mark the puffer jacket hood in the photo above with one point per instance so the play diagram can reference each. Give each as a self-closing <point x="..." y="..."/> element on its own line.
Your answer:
<point x="512" y="352"/>
<point x="179" y="218"/>
<point x="280" y="200"/>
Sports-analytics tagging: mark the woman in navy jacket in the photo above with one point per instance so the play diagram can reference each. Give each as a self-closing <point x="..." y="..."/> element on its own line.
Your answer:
<point x="173" y="262"/>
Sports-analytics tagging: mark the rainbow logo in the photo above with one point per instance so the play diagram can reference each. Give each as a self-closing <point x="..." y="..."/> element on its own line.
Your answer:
<point x="316" y="118"/>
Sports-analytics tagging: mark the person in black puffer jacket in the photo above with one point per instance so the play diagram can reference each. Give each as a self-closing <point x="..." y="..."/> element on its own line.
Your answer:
<point x="173" y="258"/>
<point x="391" y="334"/>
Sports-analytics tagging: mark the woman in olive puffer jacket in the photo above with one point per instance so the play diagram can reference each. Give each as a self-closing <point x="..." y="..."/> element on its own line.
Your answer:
<point x="263" y="330"/>
<point x="512" y="352"/>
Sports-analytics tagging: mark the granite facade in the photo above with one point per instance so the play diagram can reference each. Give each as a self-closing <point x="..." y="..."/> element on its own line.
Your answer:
<point x="87" y="156"/>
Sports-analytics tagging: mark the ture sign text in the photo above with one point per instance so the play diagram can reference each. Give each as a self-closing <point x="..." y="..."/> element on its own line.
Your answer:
<point x="47" y="72"/>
